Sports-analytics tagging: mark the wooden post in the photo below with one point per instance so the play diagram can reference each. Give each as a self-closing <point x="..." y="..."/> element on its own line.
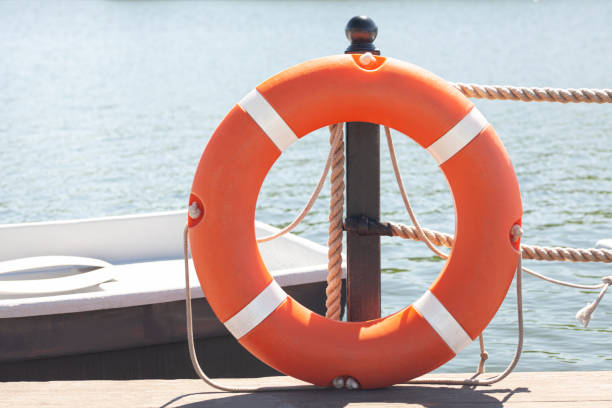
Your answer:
<point x="362" y="193"/>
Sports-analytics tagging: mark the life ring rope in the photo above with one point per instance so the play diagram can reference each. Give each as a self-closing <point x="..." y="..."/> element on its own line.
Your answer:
<point x="277" y="130"/>
<point x="264" y="124"/>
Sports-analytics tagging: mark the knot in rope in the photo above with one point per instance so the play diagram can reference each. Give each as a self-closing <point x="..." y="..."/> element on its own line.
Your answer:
<point x="585" y="314"/>
<point x="517" y="232"/>
<point x="194" y="211"/>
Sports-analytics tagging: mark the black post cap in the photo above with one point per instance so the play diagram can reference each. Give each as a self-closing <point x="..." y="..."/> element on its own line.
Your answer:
<point x="361" y="32"/>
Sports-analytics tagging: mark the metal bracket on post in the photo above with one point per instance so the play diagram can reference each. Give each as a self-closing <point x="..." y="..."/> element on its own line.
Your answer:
<point x="362" y="193"/>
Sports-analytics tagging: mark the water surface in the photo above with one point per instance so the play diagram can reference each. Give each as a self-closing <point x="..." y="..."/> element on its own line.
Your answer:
<point x="107" y="106"/>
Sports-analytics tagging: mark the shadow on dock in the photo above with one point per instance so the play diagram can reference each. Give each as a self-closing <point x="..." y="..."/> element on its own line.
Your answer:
<point x="418" y="396"/>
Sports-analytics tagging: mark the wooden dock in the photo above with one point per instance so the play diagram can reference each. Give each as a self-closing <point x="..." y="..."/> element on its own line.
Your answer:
<point x="524" y="390"/>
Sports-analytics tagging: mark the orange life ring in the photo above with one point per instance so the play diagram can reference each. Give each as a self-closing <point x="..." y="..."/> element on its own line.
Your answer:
<point x="276" y="328"/>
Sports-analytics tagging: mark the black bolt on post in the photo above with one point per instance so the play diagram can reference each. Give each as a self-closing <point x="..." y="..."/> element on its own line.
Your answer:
<point x="362" y="193"/>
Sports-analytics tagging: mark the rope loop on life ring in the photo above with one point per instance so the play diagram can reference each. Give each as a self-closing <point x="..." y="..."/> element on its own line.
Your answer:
<point x="280" y="331"/>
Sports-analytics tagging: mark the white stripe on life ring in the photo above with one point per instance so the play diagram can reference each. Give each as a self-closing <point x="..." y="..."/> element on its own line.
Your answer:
<point x="268" y="119"/>
<point x="442" y="322"/>
<point x="256" y="311"/>
<point x="458" y="137"/>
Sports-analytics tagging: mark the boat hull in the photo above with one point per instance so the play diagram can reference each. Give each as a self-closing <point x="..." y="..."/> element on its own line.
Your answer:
<point x="152" y="344"/>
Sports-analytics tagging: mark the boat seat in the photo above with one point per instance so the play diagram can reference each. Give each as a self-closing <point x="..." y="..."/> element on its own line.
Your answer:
<point x="89" y="272"/>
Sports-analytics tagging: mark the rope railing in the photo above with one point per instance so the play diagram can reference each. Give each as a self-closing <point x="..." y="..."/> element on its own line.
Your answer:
<point x="525" y="94"/>
<point x="537" y="253"/>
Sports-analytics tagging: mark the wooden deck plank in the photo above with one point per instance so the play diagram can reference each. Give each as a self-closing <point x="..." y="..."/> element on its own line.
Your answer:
<point x="524" y="390"/>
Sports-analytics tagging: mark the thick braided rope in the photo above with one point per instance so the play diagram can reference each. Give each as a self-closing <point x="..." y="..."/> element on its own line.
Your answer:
<point x="528" y="251"/>
<point x="336" y="213"/>
<point x="525" y="94"/>
<point x="567" y="254"/>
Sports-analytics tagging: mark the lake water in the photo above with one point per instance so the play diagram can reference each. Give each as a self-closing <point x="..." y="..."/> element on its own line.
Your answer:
<point x="106" y="108"/>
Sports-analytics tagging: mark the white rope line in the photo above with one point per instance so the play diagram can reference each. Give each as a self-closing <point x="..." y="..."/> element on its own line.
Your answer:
<point x="308" y="206"/>
<point x="192" y="353"/>
<point x="563" y="283"/>
<point x="400" y="184"/>
<point x="423" y="237"/>
<point x="484" y="355"/>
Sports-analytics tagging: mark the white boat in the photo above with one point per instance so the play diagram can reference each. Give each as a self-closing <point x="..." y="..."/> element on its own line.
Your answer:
<point x="604" y="244"/>
<point x="104" y="298"/>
